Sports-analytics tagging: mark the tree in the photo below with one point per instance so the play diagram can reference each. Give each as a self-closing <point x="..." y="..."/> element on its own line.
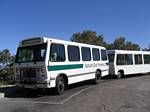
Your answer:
<point x="91" y="37"/>
<point x="121" y="44"/>
<point x="131" y="46"/>
<point x="88" y="37"/>
<point x="4" y="56"/>
<point x="135" y="47"/>
<point x="6" y="71"/>
<point x="109" y="46"/>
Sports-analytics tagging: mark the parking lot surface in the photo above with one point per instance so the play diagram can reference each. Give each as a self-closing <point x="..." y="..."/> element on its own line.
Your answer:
<point x="131" y="94"/>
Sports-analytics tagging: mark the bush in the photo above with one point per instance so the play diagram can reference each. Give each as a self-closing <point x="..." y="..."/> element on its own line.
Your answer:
<point x="6" y="76"/>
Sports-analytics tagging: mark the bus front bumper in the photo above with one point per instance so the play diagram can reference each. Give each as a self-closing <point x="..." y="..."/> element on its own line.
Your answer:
<point x="35" y="85"/>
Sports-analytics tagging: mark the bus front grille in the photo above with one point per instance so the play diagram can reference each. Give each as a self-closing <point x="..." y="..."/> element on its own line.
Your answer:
<point x="29" y="73"/>
<point x="28" y="76"/>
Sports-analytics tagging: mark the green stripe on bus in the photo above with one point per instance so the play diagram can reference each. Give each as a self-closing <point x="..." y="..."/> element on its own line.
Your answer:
<point x="64" y="67"/>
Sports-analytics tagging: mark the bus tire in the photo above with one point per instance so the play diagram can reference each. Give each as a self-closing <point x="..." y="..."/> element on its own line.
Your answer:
<point x="60" y="85"/>
<point x="97" y="77"/>
<point x="120" y="75"/>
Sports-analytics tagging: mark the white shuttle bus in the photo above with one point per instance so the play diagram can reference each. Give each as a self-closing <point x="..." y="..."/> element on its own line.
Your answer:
<point x="47" y="63"/>
<point x="124" y="62"/>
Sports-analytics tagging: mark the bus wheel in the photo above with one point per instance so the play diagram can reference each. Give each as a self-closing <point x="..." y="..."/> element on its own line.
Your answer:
<point x="60" y="85"/>
<point x="97" y="77"/>
<point x="119" y="75"/>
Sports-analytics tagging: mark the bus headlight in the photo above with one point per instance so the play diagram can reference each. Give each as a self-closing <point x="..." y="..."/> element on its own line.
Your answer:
<point x="43" y="69"/>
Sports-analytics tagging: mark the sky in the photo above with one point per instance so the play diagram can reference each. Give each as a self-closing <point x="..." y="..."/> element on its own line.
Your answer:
<point x="20" y="19"/>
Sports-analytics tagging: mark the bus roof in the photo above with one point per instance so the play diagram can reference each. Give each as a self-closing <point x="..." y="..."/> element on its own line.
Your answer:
<point x="128" y="52"/>
<point x="38" y="40"/>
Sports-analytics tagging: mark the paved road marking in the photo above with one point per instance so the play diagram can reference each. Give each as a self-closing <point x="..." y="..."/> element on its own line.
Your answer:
<point x="28" y="101"/>
<point x="75" y="94"/>
<point x="141" y="103"/>
<point x="82" y="90"/>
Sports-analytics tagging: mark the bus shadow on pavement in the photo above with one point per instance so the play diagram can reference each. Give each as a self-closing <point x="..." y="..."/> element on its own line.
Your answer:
<point x="48" y="95"/>
<point x="135" y="75"/>
<point x="30" y="93"/>
<point x="112" y="77"/>
<point x="7" y="90"/>
<point x="37" y="93"/>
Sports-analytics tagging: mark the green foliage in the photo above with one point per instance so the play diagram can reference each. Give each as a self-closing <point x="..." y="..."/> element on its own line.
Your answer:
<point x="4" y="56"/>
<point x="91" y="37"/>
<point x="121" y="44"/>
<point x="88" y="37"/>
<point x="6" y="70"/>
<point x="6" y="76"/>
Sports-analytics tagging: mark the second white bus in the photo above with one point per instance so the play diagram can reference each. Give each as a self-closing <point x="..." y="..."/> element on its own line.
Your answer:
<point x="46" y="63"/>
<point x="124" y="62"/>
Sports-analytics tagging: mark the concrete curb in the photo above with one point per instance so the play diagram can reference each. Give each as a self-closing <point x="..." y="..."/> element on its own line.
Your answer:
<point x="5" y="86"/>
<point x="2" y="95"/>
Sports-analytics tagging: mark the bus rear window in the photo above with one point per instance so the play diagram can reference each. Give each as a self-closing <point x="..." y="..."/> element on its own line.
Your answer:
<point x="104" y="55"/>
<point x="111" y="57"/>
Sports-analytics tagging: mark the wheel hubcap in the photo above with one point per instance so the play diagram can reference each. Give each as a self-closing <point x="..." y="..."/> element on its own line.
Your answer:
<point x="61" y="85"/>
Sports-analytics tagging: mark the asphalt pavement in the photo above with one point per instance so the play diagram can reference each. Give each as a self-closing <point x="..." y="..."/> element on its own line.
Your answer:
<point x="130" y="94"/>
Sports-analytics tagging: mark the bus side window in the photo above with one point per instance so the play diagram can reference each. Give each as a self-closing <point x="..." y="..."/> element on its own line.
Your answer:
<point x="57" y="53"/>
<point x="129" y="59"/>
<point x="54" y="57"/>
<point x="146" y="59"/>
<point x="73" y="53"/>
<point x="121" y="59"/>
<point x="86" y="54"/>
<point x="124" y="59"/>
<point x="96" y="54"/>
<point x="138" y="59"/>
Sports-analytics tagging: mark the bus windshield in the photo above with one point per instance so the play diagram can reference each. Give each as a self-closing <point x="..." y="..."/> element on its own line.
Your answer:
<point x="111" y="57"/>
<point x="34" y="53"/>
